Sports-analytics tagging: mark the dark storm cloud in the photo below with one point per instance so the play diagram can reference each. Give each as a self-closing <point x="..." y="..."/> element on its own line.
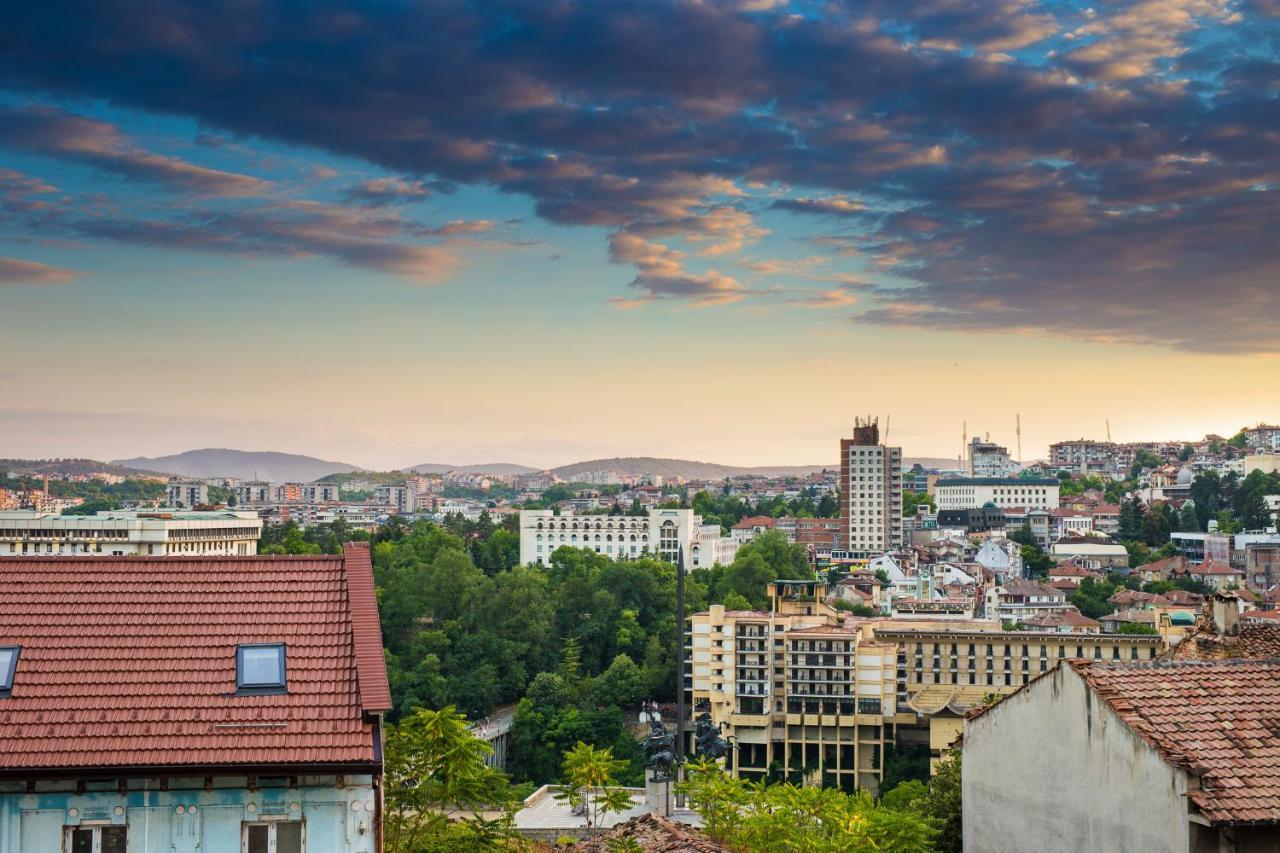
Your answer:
<point x="1079" y="187"/>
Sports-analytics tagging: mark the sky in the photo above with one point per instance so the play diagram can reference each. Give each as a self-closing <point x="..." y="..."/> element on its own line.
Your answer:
<point x="550" y="230"/>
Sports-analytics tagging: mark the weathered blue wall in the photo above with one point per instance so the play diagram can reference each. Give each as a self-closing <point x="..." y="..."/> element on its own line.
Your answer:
<point x="187" y="818"/>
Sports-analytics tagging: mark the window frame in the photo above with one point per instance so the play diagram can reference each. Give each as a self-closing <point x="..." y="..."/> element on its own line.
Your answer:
<point x="262" y="688"/>
<point x="271" y="834"/>
<point x="8" y="674"/>
<point x="68" y="834"/>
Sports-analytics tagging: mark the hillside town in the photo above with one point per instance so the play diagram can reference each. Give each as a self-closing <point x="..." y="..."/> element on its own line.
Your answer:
<point x="922" y="617"/>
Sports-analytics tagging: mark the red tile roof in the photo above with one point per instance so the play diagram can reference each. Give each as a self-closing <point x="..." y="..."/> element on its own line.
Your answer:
<point x="131" y="662"/>
<point x="1216" y="720"/>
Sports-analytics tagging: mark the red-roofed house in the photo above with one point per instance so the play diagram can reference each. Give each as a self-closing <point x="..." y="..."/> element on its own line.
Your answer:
<point x="1098" y="757"/>
<point x="750" y="527"/>
<point x="218" y="703"/>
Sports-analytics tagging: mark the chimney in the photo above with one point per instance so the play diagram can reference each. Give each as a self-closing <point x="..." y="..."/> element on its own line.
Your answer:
<point x="1225" y="614"/>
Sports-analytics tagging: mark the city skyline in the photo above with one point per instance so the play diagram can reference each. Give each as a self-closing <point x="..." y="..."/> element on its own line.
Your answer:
<point x="544" y="233"/>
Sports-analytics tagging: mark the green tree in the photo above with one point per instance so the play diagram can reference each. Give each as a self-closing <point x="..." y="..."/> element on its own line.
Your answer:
<point x="1136" y="628"/>
<point x="622" y="685"/>
<point x="591" y="781"/>
<point x="434" y="775"/>
<point x="943" y="805"/>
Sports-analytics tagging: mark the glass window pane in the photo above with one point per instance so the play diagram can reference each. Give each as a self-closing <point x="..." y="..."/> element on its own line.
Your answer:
<point x="262" y="666"/>
<point x="114" y="839"/>
<point x="257" y="838"/>
<point x="289" y="837"/>
<point x="6" y="662"/>
<point x="82" y="841"/>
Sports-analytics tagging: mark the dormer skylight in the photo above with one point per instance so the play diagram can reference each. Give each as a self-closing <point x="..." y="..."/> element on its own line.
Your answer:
<point x="260" y="668"/>
<point x="8" y="666"/>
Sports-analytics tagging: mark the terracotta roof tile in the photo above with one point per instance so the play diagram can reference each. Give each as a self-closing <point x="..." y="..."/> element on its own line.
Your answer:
<point x="131" y="662"/>
<point x="1217" y="720"/>
<point x="1251" y="640"/>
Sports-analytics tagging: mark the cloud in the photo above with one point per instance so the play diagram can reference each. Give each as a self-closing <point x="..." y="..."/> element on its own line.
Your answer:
<point x="836" y="297"/>
<point x="351" y="236"/>
<point x="662" y="275"/>
<point x="1003" y="166"/>
<point x="61" y="135"/>
<point x="14" y="272"/>
<point x="379" y="192"/>
<point x="834" y="206"/>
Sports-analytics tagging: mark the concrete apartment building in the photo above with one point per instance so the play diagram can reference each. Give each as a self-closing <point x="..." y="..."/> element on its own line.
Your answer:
<point x="128" y="533"/>
<point x="988" y="459"/>
<point x="259" y="492"/>
<point x="870" y="495"/>
<point x="186" y="494"/>
<point x="1002" y="492"/>
<point x="662" y="533"/>
<point x="754" y="670"/>
<point x="793" y="685"/>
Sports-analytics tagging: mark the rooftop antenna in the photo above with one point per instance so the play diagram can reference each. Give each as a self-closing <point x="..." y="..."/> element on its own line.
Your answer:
<point x="1019" y="421"/>
<point x="884" y="439"/>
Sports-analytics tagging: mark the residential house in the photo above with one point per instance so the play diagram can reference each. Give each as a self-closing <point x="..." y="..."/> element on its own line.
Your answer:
<point x="1019" y="600"/>
<point x="183" y="704"/>
<point x="1002" y="557"/>
<point x="1097" y="757"/>
<point x="1091" y="553"/>
<point x="1213" y="573"/>
<point x="750" y="527"/>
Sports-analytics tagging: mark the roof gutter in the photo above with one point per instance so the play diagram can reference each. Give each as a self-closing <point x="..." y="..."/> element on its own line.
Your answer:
<point x="189" y="770"/>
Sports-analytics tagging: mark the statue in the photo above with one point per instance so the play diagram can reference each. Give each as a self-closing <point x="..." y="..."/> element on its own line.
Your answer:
<point x="708" y="741"/>
<point x="659" y="751"/>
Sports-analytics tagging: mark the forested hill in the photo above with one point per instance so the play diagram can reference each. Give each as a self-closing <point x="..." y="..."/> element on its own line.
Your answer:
<point x="242" y="464"/>
<point x="686" y="468"/>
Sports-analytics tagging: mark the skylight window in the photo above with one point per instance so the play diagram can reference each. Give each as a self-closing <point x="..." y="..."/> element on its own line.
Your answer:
<point x="260" y="667"/>
<point x="8" y="665"/>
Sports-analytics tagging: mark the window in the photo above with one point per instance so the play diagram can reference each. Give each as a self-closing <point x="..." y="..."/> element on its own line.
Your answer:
<point x="8" y="664"/>
<point x="281" y="837"/>
<point x="96" y="839"/>
<point x="260" y="667"/>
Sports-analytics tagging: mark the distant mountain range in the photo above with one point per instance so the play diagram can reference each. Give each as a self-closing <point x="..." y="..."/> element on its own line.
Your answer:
<point x="686" y="468"/>
<point x="294" y="467"/>
<point x="241" y="464"/>
<point x="502" y="468"/>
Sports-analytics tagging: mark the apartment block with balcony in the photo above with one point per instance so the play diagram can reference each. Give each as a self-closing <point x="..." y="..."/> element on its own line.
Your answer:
<point x="795" y="688"/>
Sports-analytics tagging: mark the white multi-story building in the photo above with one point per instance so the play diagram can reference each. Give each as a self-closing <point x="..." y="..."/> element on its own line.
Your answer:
<point x="130" y="533"/>
<point x="976" y="492"/>
<point x="988" y="459"/>
<point x="663" y="533"/>
<point x="187" y="493"/>
<point x="870" y="495"/>
<point x="254" y="492"/>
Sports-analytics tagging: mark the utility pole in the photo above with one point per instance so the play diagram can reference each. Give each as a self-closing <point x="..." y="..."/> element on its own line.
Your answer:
<point x="679" y="670"/>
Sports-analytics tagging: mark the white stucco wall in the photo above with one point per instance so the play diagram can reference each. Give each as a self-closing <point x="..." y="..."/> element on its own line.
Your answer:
<point x="1052" y="768"/>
